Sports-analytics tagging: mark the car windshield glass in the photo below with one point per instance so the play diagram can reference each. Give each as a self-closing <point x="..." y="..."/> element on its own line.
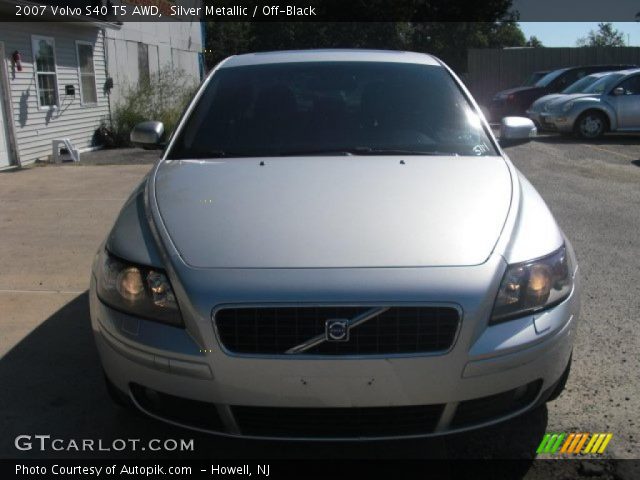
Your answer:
<point x="533" y="78"/>
<point x="332" y="108"/>
<point x="581" y="85"/>
<point x="604" y="84"/>
<point x="550" y="77"/>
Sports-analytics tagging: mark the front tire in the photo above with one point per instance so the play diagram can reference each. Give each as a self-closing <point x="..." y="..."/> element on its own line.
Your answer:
<point x="591" y="125"/>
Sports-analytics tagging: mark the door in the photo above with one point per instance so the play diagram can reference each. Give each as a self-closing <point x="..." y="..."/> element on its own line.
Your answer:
<point x="627" y="105"/>
<point x="4" y="130"/>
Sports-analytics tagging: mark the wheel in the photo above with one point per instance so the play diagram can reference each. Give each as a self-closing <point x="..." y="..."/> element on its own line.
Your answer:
<point x="591" y="125"/>
<point x="562" y="382"/>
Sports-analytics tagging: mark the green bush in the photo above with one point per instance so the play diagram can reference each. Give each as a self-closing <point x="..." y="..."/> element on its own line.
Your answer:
<point x="162" y="98"/>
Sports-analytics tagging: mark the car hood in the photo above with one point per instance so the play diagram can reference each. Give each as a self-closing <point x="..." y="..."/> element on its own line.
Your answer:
<point x="519" y="90"/>
<point x="330" y="212"/>
<point x="539" y="104"/>
<point x="558" y="102"/>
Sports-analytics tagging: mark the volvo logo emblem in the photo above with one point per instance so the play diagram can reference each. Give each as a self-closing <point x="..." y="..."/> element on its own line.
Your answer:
<point x="337" y="330"/>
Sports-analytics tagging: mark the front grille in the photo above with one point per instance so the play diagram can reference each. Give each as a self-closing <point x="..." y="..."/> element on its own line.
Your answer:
<point x="484" y="409"/>
<point x="337" y="422"/>
<point x="398" y="330"/>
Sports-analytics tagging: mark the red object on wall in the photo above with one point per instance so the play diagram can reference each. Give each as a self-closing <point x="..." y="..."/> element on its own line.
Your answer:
<point x="17" y="60"/>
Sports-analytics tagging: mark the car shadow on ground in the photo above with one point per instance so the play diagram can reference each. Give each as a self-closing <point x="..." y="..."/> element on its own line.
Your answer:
<point x="53" y="385"/>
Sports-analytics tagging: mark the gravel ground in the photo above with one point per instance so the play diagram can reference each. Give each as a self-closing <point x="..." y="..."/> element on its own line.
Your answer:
<point x="594" y="192"/>
<point x="53" y="218"/>
<point x="115" y="156"/>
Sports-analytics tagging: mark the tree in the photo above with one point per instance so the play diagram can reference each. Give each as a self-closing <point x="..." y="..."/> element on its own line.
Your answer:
<point x="606" y="36"/>
<point x="495" y="26"/>
<point x="534" y="42"/>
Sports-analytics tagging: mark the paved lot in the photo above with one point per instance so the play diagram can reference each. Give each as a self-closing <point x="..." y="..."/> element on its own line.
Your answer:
<point x="53" y="218"/>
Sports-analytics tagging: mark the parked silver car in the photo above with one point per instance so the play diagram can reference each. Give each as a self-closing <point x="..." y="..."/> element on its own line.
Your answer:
<point x="612" y="104"/>
<point x="581" y="86"/>
<point x="334" y="245"/>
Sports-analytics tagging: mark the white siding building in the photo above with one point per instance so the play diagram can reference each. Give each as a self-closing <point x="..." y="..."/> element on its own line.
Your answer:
<point x="140" y="49"/>
<point x="58" y="88"/>
<point x="51" y="96"/>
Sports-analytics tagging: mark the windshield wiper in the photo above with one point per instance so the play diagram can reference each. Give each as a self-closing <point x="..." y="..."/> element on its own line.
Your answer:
<point x="211" y="154"/>
<point x="396" y="151"/>
<point x="361" y="151"/>
<point x="325" y="151"/>
<point x="349" y="151"/>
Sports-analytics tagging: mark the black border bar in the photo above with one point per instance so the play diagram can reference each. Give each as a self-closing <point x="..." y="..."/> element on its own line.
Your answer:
<point x="322" y="469"/>
<point x="322" y="10"/>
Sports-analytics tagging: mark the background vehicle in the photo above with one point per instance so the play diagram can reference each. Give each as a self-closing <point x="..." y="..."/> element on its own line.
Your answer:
<point x="534" y="77"/>
<point x="581" y="86"/>
<point x="334" y="245"/>
<point x="516" y="101"/>
<point x="610" y="104"/>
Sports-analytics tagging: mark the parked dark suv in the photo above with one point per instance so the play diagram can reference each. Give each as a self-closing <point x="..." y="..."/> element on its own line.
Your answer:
<point x="515" y="101"/>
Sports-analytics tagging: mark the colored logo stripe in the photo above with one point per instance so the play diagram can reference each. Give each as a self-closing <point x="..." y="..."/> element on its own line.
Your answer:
<point x="598" y="443"/>
<point x="572" y="443"/>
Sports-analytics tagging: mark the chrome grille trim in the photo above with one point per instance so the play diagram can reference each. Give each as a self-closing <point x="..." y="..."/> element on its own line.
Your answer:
<point x="386" y="305"/>
<point x="353" y="322"/>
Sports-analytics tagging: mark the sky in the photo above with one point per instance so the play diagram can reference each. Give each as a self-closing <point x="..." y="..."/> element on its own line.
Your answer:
<point x="565" y="34"/>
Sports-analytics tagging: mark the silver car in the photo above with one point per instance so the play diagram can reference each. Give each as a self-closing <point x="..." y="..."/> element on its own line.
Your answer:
<point x="612" y="104"/>
<point x="581" y="86"/>
<point x="334" y="246"/>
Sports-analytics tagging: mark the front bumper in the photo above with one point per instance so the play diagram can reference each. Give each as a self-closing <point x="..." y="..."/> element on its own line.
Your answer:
<point x="502" y="107"/>
<point x="506" y="370"/>
<point x="557" y="122"/>
<point x="535" y="116"/>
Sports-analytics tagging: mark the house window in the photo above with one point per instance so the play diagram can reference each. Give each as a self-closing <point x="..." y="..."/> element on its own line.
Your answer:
<point x="143" y="64"/>
<point x="44" y="60"/>
<point x="87" y="73"/>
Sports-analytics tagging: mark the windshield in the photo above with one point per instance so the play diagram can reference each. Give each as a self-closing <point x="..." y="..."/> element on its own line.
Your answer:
<point x="535" y="76"/>
<point x="581" y="85"/>
<point x="604" y="84"/>
<point x="550" y="77"/>
<point x="341" y="108"/>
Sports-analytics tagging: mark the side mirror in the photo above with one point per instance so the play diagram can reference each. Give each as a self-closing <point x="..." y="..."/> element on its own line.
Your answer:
<point x="618" y="91"/>
<point x="516" y="130"/>
<point x="147" y="135"/>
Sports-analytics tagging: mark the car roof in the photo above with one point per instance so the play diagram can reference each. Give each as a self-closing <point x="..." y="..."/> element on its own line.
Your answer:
<point x="614" y="66"/>
<point x="603" y="74"/>
<point x="629" y="71"/>
<point x="330" y="55"/>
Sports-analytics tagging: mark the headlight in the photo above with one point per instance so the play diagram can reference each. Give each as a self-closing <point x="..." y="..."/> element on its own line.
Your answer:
<point x="531" y="286"/>
<point x="568" y="106"/>
<point x="137" y="290"/>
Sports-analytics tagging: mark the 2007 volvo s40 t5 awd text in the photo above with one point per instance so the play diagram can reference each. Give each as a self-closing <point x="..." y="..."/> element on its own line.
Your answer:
<point x="334" y="245"/>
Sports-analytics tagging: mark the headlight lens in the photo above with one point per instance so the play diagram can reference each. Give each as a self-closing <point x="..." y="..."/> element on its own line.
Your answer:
<point x="531" y="286"/>
<point x="567" y="106"/>
<point x="137" y="290"/>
